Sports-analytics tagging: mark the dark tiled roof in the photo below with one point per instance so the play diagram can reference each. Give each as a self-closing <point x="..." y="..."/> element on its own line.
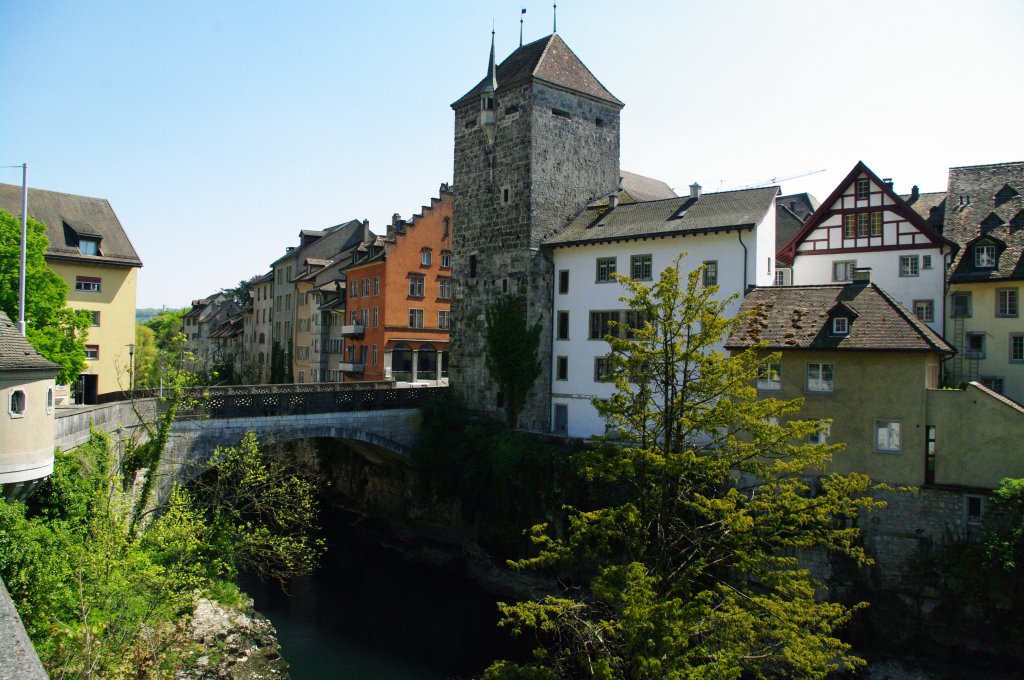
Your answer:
<point x="787" y="223"/>
<point x="682" y="215"/>
<point x="931" y="206"/>
<point x="971" y="201"/>
<point x="550" y="60"/>
<point x="68" y="216"/>
<point x="16" y="354"/>
<point x="798" y="317"/>
<point x="642" y="188"/>
<point x="802" y="205"/>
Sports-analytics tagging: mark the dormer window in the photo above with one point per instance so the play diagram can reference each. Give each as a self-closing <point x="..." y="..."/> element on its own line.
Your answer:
<point x="985" y="256"/>
<point x="1005" y="194"/>
<point x="840" y="325"/>
<point x="88" y="246"/>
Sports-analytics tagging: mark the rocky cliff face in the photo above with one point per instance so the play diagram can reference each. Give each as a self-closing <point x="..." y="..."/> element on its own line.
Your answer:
<point x="237" y="643"/>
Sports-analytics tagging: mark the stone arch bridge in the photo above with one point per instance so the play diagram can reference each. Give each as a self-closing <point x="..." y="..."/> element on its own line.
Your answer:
<point x="378" y="420"/>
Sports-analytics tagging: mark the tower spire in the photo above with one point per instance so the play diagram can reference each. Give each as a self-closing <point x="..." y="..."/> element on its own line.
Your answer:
<point x="492" y="70"/>
<point x="521" y="15"/>
<point x="554" y="17"/>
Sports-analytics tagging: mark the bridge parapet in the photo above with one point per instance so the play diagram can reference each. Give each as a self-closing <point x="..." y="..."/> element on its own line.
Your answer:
<point x="247" y="401"/>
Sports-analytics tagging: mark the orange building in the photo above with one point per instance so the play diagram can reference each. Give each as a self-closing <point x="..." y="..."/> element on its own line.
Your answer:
<point x="399" y="291"/>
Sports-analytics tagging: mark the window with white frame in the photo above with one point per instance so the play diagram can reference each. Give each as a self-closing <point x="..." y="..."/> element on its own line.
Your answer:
<point x="415" y="318"/>
<point x="769" y="376"/>
<point x="444" y="286"/>
<point x="442" y="318"/>
<point x="876" y="223"/>
<point x="925" y="310"/>
<point x="1006" y="302"/>
<point x="605" y="269"/>
<point x="88" y="284"/>
<point x="446" y="259"/>
<point x="92" y="351"/>
<point x="842" y="270"/>
<point x="373" y="354"/>
<point x="416" y="285"/>
<point x="88" y="246"/>
<point x="863" y="188"/>
<point x="985" y="255"/>
<point x="887" y="436"/>
<point x="366" y="287"/>
<point x="376" y="285"/>
<point x="376" y="317"/>
<point x="863" y="224"/>
<point x="910" y="265"/>
<point x="16" y="403"/>
<point x="1017" y="348"/>
<point x="640" y="267"/>
<point x="821" y="435"/>
<point x="425" y="256"/>
<point x="849" y="225"/>
<point x="926" y="262"/>
<point x="820" y="377"/>
<point x="840" y="325"/>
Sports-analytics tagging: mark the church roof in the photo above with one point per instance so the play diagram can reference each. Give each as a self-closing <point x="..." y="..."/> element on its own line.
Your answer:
<point x="711" y="212"/>
<point x="548" y="60"/>
<point x="69" y="217"/>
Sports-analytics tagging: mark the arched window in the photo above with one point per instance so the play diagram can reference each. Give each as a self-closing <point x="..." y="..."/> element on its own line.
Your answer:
<point x="263" y="339"/>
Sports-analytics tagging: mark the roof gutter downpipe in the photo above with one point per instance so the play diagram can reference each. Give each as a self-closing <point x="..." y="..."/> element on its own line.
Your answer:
<point x="739" y="234"/>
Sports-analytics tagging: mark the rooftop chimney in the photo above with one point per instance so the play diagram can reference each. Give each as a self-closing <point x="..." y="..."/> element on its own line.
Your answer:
<point x="915" y="193"/>
<point x="694" y="190"/>
<point x="888" y="182"/>
<point x="613" y="201"/>
<point x="366" y="231"/>
<point x="862" y="275"/>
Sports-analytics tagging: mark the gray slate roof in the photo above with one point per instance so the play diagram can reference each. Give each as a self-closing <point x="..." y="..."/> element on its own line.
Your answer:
<point x="67" y="216"/>
<point x="970" y="201"/>
<point x="799" y="317"/>
<point x="16" y="354"/>
<point x="668" y="217"/>
<point x="549" y="60"/>
<point x="931" y="206"/>
<point x="640" y="188"/>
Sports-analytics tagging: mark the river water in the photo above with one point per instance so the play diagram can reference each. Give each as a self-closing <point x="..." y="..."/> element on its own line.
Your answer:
<point x="367" y="613"/>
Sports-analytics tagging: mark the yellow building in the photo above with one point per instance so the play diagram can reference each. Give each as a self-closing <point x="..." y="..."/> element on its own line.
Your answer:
<point x="859" y="358"/>
<point x="91" y="252"/>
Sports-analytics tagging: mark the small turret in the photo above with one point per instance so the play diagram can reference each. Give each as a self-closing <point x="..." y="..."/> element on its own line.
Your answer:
<point x="488" y="113"/>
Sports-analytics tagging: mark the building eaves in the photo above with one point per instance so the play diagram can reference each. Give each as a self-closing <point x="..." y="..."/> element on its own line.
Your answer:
<point x="16" y="353"/>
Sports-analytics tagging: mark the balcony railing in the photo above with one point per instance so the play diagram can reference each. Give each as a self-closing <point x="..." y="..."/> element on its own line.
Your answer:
<point x="353" y="329"/>
<point x="350" y="367"/>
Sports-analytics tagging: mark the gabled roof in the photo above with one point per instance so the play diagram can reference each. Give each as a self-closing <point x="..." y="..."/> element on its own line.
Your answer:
<point x="16" y="354"/>
<point x="797" y="317"/>
<point x="547" y="60"/>
<point x="788" y="251"/>
<point x="68" y="217"/>
<point x="930" y="206"/>
<point x="640" y="188"/>
<point x="977" y="199"/>
<point x="720" y="211"/>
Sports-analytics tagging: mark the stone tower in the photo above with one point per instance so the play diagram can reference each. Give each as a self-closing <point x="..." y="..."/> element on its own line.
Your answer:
<point x="535" y="142"/>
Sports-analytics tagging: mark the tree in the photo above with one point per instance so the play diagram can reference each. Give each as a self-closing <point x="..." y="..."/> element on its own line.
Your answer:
<point x="57" y="332"/>
<point x="240" y="293"/>
<point x="512" y="353"/>
<point x="165" y="326"/>
<point x="688" y="566"/>
<point x="147" y="358"/>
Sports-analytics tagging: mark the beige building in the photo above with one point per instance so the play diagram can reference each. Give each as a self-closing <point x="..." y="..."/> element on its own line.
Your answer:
<point x="861" y="359"/>
<point x="90" y="250"/>
<point x="26" y="429"/>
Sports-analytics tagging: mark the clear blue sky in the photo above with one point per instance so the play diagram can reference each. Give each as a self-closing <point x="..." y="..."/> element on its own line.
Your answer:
<point x="218" y="130"/>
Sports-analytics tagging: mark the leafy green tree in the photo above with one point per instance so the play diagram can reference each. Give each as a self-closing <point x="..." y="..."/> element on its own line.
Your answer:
<point x="146" y="358"/>
<point x="56" y="331"/>
<point x="165" y="326"/>
<point x="689" y="567"/>
<point x="512" y="353"/>
<point x="1004" y="522"/>
<point x="240" y="293"/>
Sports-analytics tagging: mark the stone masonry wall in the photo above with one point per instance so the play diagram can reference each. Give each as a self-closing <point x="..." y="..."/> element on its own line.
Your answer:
<point x="553" y="158"/>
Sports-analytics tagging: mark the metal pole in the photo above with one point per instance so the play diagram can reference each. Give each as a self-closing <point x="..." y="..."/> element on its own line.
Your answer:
<point x="24" y="247"/>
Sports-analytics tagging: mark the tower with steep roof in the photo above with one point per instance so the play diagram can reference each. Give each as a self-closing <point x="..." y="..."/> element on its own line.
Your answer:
<point x="536" y="141"/>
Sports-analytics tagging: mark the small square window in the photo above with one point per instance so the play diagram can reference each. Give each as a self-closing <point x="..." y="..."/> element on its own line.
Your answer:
<point x="926" y="262"/>
<point x="840" y="325"/>
<point x="985" y="256"/>
<point x="710" y="273"/>
<point x="92" y="351"/>
<point x="887" y="436"/>
<point x="961" y="305"/>
<point x="925" y="310"/>
<point x="909" y="265"/>
<point x="605" y="269"/>
<point x="95" y="318"/>
<point x="640" y="267"/>
<point x="842" y="270"/>
<point x="562" y="368"/>
<point x="822" y="435"/>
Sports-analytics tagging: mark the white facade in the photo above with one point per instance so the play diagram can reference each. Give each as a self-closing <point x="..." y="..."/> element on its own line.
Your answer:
<point x="574" y="358"/>
<point x="865" y="226"/>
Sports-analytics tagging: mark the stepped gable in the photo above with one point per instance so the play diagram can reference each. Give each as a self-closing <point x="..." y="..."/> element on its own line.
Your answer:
<point x="711" y="212"/>
<point x="975" y="194"/>
<point x="16" y="353"/>
<point x="548" y="60"/>
<point x="798" y="317"/>
<point x="69" y="216"/>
